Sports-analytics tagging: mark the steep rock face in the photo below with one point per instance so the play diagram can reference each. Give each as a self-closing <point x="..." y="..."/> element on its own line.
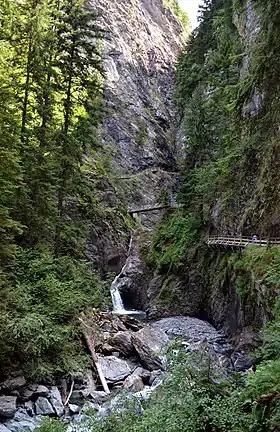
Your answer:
<point x="142" y="41"/>
<point x="208" y="284"/>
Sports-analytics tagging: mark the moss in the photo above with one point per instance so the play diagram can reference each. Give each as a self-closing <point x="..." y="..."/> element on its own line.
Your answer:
<point x="141" y="135"/>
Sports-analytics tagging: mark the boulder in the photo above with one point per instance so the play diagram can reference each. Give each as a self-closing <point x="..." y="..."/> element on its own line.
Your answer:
<point x="3" y="428"/>
<point x="77" y="397"/>
<point x="21" y="426"/>
<point x="26" y="394"/>
<point x="13" y="384"/>
<point x="7" y="406"/>
<point x="74" y="409"/>
<point x="134" y="383"/>
<point x="40" y="390"/>
<point x="98" y="397"/>
<point x="56" y="401"/>
<point x="150" y="343"/>
<point x="156" y="377"/>
<point x="21" y="422"/>
<point x="121" y="341"/>
<point x="43" y="406"/>
<point x="114" y="368"/>
<point x="143" y="373"/>
<point x="29" y="408"/>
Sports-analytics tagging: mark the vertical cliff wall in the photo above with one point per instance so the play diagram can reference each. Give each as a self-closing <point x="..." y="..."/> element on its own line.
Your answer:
<point x="142" y="41"/>
<point x="228" y="90"/>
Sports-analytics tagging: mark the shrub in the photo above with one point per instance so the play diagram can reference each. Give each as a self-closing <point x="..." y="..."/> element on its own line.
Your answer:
<point x="42" y="298"/>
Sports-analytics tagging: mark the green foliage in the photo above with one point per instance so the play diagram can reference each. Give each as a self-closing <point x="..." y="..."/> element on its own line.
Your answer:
<point x="51" y="79"/>
<point x="42" y="299"/>
<point x="51" y="425"/>
<point x="173" y="239"/>
<point x="179" y="13"/>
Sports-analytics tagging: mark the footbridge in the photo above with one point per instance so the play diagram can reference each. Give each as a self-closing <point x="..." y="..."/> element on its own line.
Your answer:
<point x="238" y="243"/>
<point x="154" y="207"/>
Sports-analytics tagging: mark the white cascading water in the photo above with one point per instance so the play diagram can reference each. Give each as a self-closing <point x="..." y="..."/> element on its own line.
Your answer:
<point x="118" y="306"/>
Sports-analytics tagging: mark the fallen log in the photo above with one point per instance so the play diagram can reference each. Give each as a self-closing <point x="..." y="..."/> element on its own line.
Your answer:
<point x="70" y="394"/>
<point x="89" y="338"/>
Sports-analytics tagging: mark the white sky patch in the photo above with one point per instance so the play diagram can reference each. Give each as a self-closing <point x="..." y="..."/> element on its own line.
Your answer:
<point x="191" y="7"/>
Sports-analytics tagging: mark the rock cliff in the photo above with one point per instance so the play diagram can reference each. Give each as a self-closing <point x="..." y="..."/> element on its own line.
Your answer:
<point x="138" y="132"/>
<point x="230" y="120"/>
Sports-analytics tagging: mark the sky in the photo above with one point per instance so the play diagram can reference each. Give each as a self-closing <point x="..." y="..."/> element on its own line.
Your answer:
<point x="191" y="7"/>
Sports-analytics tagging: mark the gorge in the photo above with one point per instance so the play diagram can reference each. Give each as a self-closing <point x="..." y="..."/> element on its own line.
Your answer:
<point x="126" y="143"/>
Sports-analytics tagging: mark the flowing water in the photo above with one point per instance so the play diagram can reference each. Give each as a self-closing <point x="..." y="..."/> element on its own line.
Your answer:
<point x="118" y="306"/>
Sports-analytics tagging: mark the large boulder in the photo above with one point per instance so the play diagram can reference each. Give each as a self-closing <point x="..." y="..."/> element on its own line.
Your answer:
<point x="40" y="390"/>
<point x="114" y="368"/>
<point x="13" y="384"/>
<point x="150" y="343"/>
<point x="43" y="406"/>
<point x="121" y="341"/>
<point x="7" y="406"/>
<point x="21" y="422"/>
<point x="56" y="401"/>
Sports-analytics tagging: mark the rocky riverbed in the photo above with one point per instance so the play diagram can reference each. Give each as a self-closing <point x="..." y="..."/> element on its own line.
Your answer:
<point x="132" y="356"/>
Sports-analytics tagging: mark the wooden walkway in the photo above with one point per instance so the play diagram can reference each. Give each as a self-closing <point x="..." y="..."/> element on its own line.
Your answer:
<point x="154" y="207"/>
<point x="229" y="242"/>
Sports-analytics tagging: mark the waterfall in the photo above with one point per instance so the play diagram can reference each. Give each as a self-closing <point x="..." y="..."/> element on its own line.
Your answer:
<point x="117" y="302"/>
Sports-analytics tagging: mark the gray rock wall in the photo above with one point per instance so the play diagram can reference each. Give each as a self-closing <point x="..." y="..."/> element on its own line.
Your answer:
<point x="139" y="128"/>
<point x="142" y="42"/>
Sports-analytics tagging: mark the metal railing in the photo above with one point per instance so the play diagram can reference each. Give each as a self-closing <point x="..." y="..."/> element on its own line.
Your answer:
<point x="241" y="241"/>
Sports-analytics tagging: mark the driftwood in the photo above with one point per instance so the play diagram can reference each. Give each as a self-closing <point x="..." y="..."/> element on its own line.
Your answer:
<point x="89" y="338"/>
<point x="70" y="394"/>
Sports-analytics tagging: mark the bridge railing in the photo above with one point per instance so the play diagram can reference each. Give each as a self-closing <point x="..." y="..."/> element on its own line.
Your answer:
<point x="241" y="241"/>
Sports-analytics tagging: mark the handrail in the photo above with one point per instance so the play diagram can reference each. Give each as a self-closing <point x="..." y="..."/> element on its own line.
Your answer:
<point x="240" y="241"/>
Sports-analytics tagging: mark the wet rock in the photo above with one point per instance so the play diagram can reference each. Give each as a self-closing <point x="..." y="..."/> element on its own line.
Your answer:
<point x="122" y="342"/>
<point x="107" y="349"/>
<point x="43" y="406"/>
<point x="21" y="426"/>
<point x="114" y="369"/>
<point x="149" y="343"/>
<point x="56" y="401"/>
<point x="7" y="406"/>
<point x="134" y="383"/>
<point x="240" y="362"/>
<point x="13" y="384"/>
